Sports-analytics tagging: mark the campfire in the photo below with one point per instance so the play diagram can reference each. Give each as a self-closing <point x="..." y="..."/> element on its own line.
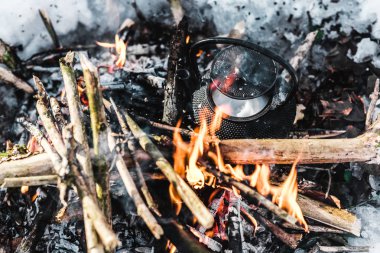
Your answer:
<point x="172" y="137"/>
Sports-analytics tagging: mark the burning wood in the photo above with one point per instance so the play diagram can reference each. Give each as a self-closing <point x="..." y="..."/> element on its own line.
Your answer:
<point x="238" y="101"/>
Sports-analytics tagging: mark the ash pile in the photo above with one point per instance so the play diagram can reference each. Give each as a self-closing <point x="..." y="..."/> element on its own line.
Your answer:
<point x="174" y="138"/>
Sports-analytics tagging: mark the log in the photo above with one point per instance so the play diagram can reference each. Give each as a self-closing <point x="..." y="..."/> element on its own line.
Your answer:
<point x="332" y="249"/>
<point x="332" y="216"/>
<point x="309" y="151"/>
<point x="29" y="181"/>
<point x="173" y="103"/>
<point x="31" y="166"/>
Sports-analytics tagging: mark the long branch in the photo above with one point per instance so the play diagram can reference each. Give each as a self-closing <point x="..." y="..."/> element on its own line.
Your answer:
<point x="309" y="151"/>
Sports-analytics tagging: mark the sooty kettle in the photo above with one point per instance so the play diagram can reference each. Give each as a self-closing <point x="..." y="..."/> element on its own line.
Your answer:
<point x="252" y="86"/>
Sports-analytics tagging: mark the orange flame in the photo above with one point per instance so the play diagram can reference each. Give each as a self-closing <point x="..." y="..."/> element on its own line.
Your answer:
<point x="186" y="164"/>
<point x="286" y="197"/>
<point x="120" y="47"/>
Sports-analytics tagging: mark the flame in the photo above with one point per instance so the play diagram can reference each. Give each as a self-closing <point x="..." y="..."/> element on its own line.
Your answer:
<point x="200" y="52"/>
<point x="120" y="47"/>
<point x="24" y="189"/>
<point x="187" y="39"/>
<point x="81" y="92"/>
<point x="205" y="144"/>
<point x="286" y="197"/>
<point x="175" y="198"/>
<point x="170" y="247"/>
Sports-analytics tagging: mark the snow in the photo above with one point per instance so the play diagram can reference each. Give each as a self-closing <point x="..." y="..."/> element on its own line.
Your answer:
<point x="370" y="228"/>
<point x="89" y="19"/>
<point x="367" y="51"/>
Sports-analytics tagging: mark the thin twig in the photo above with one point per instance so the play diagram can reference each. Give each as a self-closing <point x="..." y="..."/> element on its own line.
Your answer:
<point x="8" y="77"/>
<point x="76" y="115"/>
<point x="131" y="145"/>
<point x="47" y="118"/>
<point x="56" y="110"/>
<point x="99" y="132"/>
<point x="132" y="190"/>
<point x="50" y="28"/>
<point x="371" y="108"/>
<point x="33" y="129"/>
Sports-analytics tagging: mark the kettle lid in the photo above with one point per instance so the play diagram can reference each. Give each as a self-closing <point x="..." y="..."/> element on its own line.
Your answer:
<point x="241" y="73"/>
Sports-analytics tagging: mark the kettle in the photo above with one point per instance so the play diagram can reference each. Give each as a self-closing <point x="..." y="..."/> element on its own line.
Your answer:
<point x="252" y="86"/>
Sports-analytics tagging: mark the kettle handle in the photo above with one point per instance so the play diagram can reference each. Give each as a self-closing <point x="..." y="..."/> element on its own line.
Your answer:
<point x="223" y="40"/>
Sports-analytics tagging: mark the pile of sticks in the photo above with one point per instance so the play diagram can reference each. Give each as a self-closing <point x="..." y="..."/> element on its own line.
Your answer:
<point x="69" y="161"/>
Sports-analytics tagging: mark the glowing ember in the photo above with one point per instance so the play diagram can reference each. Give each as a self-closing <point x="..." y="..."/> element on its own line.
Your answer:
<point x="24" y="189"/>
<point x="120" y="47"/>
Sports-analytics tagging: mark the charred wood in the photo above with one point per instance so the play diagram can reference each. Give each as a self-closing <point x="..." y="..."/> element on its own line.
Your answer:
<point x="173" y="104"/>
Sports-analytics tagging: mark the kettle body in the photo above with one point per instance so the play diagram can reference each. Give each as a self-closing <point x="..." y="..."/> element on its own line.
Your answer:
<point x="252" y="86"/>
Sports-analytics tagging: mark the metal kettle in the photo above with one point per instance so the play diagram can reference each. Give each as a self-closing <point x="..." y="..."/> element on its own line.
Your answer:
<point x="252" y="86"/>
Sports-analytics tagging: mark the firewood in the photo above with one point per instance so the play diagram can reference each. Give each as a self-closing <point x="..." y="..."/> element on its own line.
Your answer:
<point x="56" y="110"/>
<point x="309" y="151"/>
<point x="191" y="200"/>
<point x="99" y="132"/>
<point x="291" y="240"/>
<point x="46" y="204"/>
<point x="333" y="249"/>
<point x="251" y="194"/>
<point x="165" y="127"/>
<point x="33" y="129"/>
<point x="34" y="165"/>
<point x="131" y="146"/>
<point x="50" y="28"/>
<point x="30" y="181"/>
<point x="76" y="115"/>
<point x="47" y="118"/>
<point x="181" y="238"/>
<point x="371" y="108"/>
<point x="96" y="225"/>
<point x="302" y="51"/>
<point x="314" y="229"/>
<point x="177" y="10"/>
<point x="9" y="78"/>
<point x="142" y="209"/>
<point x="332" y="216"/>
<point x="209" y="242"/>
<point x="173" y="90"/>
<point x="234" y="225"/>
